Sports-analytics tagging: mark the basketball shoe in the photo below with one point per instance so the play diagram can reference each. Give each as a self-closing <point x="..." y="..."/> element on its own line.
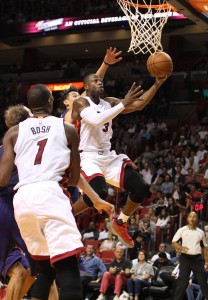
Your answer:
<point x="119" y="228"/>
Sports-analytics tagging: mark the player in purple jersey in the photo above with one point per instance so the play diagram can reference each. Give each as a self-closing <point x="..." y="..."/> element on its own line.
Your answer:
<point x="11" y="262"/>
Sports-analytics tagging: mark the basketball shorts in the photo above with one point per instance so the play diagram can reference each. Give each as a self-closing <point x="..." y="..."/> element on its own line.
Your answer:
<point x="104" y="163"/>
<point x="14" y="256"/>
<point x="44" y="215"/>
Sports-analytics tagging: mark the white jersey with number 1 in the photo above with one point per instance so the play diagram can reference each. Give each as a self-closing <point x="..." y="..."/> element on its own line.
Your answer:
<point x="41" y="150"/>
<point x="96" y="138"/>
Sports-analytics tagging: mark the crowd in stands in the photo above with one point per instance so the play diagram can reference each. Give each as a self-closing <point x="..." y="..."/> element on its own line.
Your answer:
<point x="174" y="163"/>
<point x="112" y="273"/>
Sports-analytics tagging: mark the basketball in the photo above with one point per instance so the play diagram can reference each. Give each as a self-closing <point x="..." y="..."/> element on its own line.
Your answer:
<point x="159" y="64"/>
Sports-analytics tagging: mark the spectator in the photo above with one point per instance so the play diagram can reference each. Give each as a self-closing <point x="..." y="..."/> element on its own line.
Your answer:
<point x="103" y="235"/>
<point x="201" y="151"/>
<point x="138" y="239"/>
<point x="182" y="141"/>
<point x="90" y="233"/>
<point x="162" y="261"/>
<point x="180" y="197"/>
<point x="146" y="173"/>
<point x="141" y="274"/>
<point x="193" y="291"/>
<point x="146" y="225"/>
<point x="93" y="267"/>
<point x="151" y="213"/>
<point x="108" y="244"/>
<point x="163" y="219"/>
<point x="192" y="163"/>
<point x="160" y="205"/>
<point x="173" y="209"/>
<point x="162" y="248"/>
<point x="117" y="274"/>
<point x="132" y="227"/>
<point x="190" y="177"/>
<point x="167" y="186"/>
<point x="156" y="185"/>
<point x="178" y="177"/>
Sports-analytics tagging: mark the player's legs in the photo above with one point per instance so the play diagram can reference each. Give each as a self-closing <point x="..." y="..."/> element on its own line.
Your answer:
<point x="54" y="295"/>
<point x="44" y="281"/>
<point x="6" y="218"/>
<point x="92" y="170"/>
<point x="19" y="283"/>
<point x="17" y="269"/>
<point x="69" y="278"/>
<point x="120" y="173"/>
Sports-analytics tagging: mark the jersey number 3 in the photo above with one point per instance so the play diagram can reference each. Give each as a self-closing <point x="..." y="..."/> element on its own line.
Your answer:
<point x="41" y="144"/>
<point x="106" y="125"/>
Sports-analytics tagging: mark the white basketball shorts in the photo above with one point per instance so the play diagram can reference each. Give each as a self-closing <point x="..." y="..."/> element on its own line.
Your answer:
<point x="104" y="163"/>
<point x="44" y="216"/>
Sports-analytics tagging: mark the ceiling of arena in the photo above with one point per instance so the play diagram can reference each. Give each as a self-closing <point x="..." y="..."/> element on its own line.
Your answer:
<point x="93" y="43"/>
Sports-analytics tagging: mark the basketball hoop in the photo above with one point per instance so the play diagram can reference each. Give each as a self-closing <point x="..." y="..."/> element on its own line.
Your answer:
<point x="146" y="21"/>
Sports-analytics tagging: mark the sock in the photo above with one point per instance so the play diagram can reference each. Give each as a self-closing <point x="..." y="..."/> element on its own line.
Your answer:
<point x="123" y="217"/>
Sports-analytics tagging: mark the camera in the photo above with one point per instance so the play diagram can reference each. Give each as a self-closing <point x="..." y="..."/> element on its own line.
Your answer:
<point x="118" y="269"/>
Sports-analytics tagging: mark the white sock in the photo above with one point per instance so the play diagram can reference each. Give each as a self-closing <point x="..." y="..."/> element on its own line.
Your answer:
<point x="123" y="217"/>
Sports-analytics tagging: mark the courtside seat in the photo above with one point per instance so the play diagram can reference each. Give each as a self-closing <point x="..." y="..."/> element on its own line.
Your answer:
<point x="107" y="256"/>
<point x="158" y="289"/>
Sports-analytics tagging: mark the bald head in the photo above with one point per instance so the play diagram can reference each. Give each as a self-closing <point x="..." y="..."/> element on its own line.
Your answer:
<point x="192" y="219"/>
<point x="39" y="96"/>
<point x="192" y="213"/>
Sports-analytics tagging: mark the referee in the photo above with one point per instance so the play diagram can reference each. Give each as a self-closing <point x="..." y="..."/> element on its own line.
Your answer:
<point x="192" y="247"/>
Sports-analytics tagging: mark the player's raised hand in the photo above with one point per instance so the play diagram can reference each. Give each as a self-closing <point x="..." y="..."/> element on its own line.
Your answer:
<point x="101" y="205"/>
<point x="133" y="94"/>
<point x="112" y="56"/>
<point x="160" y="80"/>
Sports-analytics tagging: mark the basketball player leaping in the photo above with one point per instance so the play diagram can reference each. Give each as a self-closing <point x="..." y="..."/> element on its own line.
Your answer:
<point x="111" y="57"/>
<point x="100" y="165"/>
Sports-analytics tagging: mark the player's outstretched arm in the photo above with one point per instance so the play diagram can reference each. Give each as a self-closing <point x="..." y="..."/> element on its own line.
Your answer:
<point x="82" y="109"/>
<point x="8" y="157"/>
<point x="111" y="57"/>
<point x="98" y="203"/>
<point x="73" y="143"/>
<point x="146" y="97"/>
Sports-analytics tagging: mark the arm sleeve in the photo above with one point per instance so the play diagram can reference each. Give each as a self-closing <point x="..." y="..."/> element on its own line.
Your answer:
<point x="101" y="267"/>
<point x="89" y="115"/>
<point x="177" y="235"/>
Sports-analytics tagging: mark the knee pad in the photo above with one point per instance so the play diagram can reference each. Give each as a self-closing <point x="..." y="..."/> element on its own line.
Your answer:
<point x="134" y="184"/>
<point x="69" y="278"/>
<point x="42" y="285"/>
<point x="45" y="278"/>
<point x="98" y="184"/>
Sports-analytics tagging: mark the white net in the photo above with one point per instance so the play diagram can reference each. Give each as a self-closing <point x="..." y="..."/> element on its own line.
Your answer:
<point x="146" y="21"/>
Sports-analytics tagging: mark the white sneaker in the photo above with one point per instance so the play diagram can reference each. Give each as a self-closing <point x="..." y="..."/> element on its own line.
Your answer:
<point x="116" y="297"/>
<point x="124" y="296"/>
<point x="101" y="297"/>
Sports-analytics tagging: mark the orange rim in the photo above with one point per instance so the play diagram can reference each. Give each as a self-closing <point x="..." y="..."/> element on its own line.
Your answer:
<point x="157" y="6"/>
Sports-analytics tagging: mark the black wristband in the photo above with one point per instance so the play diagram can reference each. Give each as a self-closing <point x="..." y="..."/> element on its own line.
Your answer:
<point x="106" y="63"/>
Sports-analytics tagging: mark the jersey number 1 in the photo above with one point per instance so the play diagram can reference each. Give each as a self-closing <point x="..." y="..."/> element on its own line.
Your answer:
<point x="41" y="144"/>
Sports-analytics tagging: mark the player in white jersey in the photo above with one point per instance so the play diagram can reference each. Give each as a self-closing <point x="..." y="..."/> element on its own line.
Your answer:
<point x="100" y="165"/>
<point x="112" y="57"/>
<point x="42" y="211"/>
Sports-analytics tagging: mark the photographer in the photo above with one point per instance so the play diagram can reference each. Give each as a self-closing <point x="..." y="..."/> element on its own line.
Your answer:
<point x="118" y="273"/>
